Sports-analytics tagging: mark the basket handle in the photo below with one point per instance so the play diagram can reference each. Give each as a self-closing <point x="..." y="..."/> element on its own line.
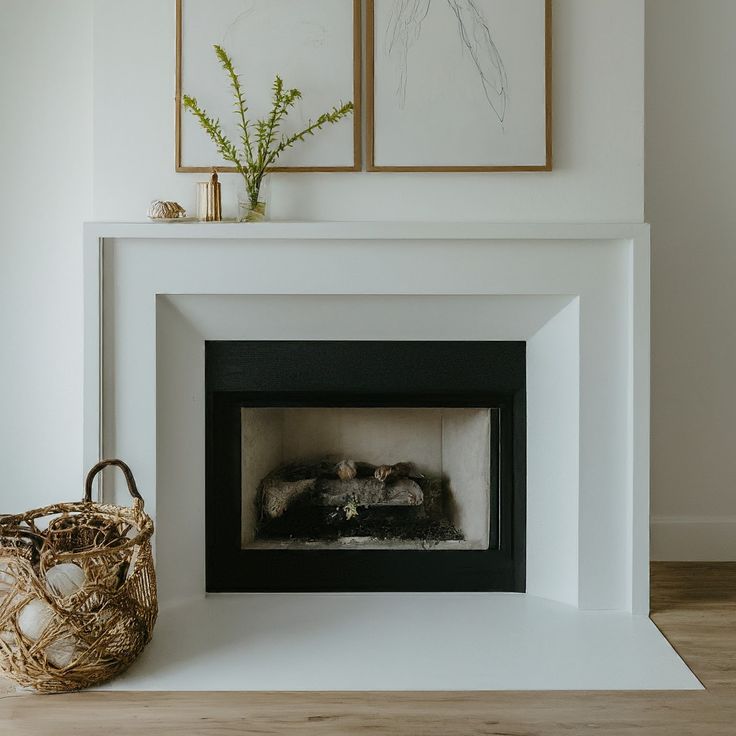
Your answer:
<point x="129" y="479"/>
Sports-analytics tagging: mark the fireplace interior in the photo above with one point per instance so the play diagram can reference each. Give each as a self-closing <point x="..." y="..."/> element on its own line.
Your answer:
<point x="338" y="466"/>
<point x="370" y="478"/>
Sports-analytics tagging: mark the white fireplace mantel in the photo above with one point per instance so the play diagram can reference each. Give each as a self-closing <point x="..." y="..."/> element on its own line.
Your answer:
<point x="577" y="293"/>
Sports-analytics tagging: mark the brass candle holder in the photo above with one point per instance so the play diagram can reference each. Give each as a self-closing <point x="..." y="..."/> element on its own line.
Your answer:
<point x="209" y="199"/>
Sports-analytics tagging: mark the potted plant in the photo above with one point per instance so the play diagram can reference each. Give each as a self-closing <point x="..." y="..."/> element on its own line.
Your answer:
<point x="261" y="141"/>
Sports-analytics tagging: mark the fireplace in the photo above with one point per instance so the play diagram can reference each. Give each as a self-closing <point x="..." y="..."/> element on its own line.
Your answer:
<point x="365" y="465"/>
<point x="572" y="299"/>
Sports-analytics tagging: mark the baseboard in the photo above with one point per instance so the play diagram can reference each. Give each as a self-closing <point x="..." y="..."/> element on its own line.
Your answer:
<point x="693" y="538"/>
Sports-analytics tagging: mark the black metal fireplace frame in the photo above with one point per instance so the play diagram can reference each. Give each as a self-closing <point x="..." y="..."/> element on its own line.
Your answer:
<point x="446" y="374"/>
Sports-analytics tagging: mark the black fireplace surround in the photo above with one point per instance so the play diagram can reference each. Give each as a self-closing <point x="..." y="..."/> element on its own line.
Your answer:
<point x="448" y="374"/>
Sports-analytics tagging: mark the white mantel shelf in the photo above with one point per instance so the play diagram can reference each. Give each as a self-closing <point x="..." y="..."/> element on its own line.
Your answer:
<point x="369" y="230"/>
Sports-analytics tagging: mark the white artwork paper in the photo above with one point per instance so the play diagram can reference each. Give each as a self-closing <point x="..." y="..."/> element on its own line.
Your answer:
<point x="459" y="83"/>
<point x="308" y="43"/>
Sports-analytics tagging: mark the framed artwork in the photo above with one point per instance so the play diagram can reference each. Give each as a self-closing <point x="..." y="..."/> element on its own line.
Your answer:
<point x="459" y="85"/>
<point x="313" y="45"/>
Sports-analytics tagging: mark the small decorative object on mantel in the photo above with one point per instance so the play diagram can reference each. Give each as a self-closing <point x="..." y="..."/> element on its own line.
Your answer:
<point x="261" y="142"/>
<point x="209" y="199"/>
<point x="160" y="210"/>
<point x="77" y="594"/>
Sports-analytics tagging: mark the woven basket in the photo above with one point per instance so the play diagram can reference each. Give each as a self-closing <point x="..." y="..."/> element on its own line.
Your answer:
<point x="54" y="639"/>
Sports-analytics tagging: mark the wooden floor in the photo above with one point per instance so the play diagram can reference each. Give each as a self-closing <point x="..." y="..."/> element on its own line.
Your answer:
<point x="694" y="604"/>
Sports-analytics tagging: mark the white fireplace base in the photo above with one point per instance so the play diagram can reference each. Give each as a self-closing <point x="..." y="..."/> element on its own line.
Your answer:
<point x="472" y="641"/>
<point x="579" y="296"/>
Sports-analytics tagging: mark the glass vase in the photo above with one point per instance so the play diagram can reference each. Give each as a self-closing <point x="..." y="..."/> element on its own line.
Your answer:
<point x="248" y="211"/>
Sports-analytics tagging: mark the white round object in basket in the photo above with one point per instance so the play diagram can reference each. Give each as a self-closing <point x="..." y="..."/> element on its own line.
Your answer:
<point x="8" y="595"/>
<point x="33" y="620"/>
<point x="34" y="617"/>
<point x="64" y="579"/>
<point x="7" y="580"/>
<point x="61" y="652"/>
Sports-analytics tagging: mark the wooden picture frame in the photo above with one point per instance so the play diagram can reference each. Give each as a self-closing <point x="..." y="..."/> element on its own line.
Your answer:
<point x="546" y="165"/>
<point x="357" y="102"/>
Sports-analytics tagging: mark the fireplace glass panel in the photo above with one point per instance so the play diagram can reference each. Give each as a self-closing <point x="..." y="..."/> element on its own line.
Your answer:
<point x="367" y="478"/>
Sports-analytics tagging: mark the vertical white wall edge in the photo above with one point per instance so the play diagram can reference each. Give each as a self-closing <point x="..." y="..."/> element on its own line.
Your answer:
<point x="92" y="399"/>
<point x="640" y="403"/>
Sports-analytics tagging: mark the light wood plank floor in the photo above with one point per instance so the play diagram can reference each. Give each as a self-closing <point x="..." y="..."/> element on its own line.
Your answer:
<point x="694" y="604"/>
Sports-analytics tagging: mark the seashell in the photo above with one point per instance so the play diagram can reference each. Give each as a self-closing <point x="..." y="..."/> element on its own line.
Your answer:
<point x="160" y="210"/>
<point x="65" y="579"/>
<point x="34" y="618"/>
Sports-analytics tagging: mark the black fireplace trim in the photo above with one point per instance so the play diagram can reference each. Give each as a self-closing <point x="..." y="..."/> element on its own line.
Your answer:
<point x="251" y="374"/>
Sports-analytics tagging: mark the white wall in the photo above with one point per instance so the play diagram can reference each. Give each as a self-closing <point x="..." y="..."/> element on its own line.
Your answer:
<point x="691" y="203"/>
<point x="46" y="189"/>
<point x="54" y="103"/>
<point x="45" y="194"/>
<point x="598" y="120"/>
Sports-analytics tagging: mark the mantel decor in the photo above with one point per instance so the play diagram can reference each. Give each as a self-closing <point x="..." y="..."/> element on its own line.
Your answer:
<point x="260" y="142"/>
<point x="77" y="590"/>
<point x="313" y="44"/>
<point x="209" y="199"/>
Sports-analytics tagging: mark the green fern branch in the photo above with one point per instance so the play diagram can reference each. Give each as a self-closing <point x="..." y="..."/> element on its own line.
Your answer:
<point x="261" y="145"/>
<point x="241" y="107"/>
<point x="332" y="117"/>
<point x="212" y="127"/>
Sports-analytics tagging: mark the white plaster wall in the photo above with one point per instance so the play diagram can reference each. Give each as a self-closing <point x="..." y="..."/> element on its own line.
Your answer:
<point x="598" y="141"/>
<point x="45" y="194"/>
<point x="691" y="166"/>
<point x="691" y="198"/>
<point x="598" y="99"/>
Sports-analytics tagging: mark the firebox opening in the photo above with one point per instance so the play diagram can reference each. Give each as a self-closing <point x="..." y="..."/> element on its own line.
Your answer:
<point x="366" y="478"/>
<point x="338" y="466"/>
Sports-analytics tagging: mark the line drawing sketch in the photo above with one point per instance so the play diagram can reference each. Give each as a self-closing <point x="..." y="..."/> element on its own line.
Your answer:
<point x="316" y="33"/>
<point x="404" y="28"/>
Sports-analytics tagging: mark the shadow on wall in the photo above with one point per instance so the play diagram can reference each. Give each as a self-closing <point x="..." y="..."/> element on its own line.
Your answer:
<point x="691" y="166"/>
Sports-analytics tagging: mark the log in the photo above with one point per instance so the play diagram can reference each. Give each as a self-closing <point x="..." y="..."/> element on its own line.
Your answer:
<point x="368" y="492"/>
<point x="316" y="484"/>
<point x="277" y="496"/>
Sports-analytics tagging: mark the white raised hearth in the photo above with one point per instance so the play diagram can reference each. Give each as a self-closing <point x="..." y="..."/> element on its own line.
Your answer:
<point x="579" y="296"/>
